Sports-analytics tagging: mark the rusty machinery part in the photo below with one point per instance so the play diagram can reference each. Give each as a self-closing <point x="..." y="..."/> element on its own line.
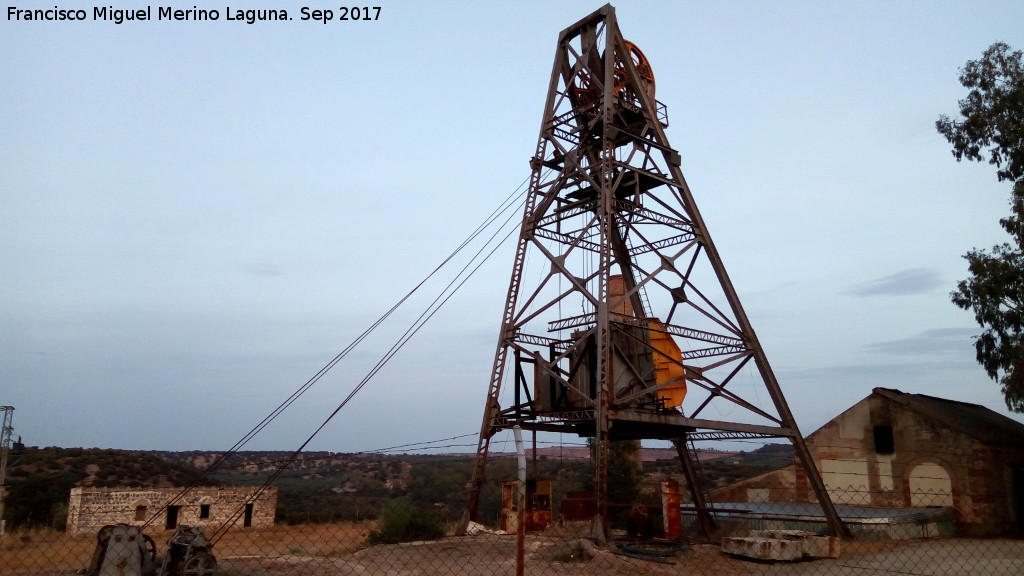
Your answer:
<point x="643" y="69"/>
<point x="150" y="547"/>
<point x="189" y="553"/>
<point x="588" y="92"/>
<point x="116" y="533"/>
<point x="201" y="563"/>
<point x="189" y="536"/>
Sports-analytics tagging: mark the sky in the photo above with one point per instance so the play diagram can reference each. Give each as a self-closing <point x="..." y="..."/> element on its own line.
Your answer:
<point x="199" y="216"/>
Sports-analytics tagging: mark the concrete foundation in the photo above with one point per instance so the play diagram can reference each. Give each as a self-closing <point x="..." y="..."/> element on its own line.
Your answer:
<point x="782" y="545"/>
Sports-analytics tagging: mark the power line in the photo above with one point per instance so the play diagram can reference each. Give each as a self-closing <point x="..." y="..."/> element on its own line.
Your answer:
<point x="446" y="294"/>
<point x="503" y="207"/>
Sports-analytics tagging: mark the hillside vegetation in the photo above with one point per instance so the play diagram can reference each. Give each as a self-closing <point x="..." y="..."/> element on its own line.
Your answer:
<point x="326" y="487"/>
<point x="39" y="480"/>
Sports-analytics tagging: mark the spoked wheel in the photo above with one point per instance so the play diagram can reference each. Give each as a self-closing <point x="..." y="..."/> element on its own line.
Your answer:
<point x="200" y="564"/>
<point x="150" y="547"/>
<point x="643" y="69"/>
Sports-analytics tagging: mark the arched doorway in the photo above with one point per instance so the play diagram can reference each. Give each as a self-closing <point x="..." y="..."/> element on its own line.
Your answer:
<point x="930" y="485"/>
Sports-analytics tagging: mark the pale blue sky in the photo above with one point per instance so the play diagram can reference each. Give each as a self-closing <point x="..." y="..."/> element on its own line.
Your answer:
<point x="198" y="216"/>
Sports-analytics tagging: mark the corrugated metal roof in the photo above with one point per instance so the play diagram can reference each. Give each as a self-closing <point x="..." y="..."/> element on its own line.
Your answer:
<point x="812" y="512"/>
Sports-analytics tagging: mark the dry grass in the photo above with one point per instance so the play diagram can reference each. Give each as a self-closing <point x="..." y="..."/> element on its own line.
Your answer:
<point x="28" y="551"/>
<point x="23" y="551"/>
<point x="47" y="551"/>
<point x="338" y="550"/>
<point x="322" y="540"/>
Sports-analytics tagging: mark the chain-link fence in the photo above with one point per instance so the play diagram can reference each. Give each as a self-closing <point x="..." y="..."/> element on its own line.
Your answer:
<point x="405" y="536"/>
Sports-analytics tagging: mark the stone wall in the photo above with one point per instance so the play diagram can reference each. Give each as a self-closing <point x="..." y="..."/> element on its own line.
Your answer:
<point x="89" y="509"/>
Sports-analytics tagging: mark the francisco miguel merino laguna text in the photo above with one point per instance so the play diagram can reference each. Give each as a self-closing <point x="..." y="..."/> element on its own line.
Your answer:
<point x="119" y="15"/>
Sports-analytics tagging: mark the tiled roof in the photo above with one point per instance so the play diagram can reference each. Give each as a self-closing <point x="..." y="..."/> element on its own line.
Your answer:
<point x="976" y="421"/>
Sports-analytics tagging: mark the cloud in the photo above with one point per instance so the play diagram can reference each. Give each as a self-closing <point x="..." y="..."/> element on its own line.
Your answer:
<point x="902" y="283"/>
<point x="865" y="376"/>
<point x="939" y="341"/>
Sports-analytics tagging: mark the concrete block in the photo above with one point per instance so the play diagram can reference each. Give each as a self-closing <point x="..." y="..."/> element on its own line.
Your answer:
<point x="821" y="547"/>
<point x="786" y="534"/>
<point x="763" y="548"/>
<point x="814" y="546"/>
<point x="782" y="545"/>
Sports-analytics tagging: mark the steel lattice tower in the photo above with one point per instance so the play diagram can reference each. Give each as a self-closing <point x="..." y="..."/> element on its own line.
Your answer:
<point x="6" y="428"/>
<point x="633" y="309"/>
<point x="5" y="439"/>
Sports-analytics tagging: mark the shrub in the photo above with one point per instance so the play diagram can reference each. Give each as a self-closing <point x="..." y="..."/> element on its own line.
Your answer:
<point x="402" y="522"/>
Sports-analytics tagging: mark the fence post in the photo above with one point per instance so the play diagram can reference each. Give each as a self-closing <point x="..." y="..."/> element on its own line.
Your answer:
<point x="520" y="502"/>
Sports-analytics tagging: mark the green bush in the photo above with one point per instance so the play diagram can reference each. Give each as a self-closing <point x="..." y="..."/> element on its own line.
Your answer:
<point x="402" y="522"/>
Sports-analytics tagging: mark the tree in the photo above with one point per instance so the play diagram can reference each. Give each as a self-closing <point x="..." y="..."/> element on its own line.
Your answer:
<point x="33" y="500"/>
<point x="993" y="112"/>
<point x="623" y="475"/>
<point x="992" y="126"/>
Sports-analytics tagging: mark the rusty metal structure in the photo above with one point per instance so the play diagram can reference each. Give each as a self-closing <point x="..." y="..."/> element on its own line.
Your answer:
<point x="124" y="550"/>
<point x="621" y="322"/>
<point x="189" y="553"/>
<point x="6" y="429"/>
<point x="537" y="505"/>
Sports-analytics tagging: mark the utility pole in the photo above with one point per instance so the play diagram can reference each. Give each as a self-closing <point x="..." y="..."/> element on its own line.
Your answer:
<point x="5" y="448"/>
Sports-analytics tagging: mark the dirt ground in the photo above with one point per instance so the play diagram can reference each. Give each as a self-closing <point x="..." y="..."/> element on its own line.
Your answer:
<point x="483" y="555"/>
<point x="495" y="555"/>
<point x="338" y="549"/>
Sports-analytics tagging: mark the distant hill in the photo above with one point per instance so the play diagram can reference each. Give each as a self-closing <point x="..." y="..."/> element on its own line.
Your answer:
<point x="255" y="462"/>
<point x="331" y="486"/>
<point x="769" y="455"/>
<point x="39" y="479"/>
<point x="646" y="454"/>
<point x="742" y="465"/>
<point x="97" y="467"/>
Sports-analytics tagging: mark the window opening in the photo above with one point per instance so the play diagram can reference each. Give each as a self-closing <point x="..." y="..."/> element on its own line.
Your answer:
<point x="884" y="443"/>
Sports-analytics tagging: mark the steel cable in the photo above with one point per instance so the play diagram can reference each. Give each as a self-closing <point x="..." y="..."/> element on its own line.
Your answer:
<point x="503" y="207"/>
<point x="445" y="295"/>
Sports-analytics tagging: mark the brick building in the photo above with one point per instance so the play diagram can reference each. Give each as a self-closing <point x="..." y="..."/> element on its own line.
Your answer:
<point x="89" y="509"/>
<point x="900" y="450"/>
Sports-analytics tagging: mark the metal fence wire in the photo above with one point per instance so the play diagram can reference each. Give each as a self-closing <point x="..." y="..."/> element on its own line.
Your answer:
<point x="403" y="538"/>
